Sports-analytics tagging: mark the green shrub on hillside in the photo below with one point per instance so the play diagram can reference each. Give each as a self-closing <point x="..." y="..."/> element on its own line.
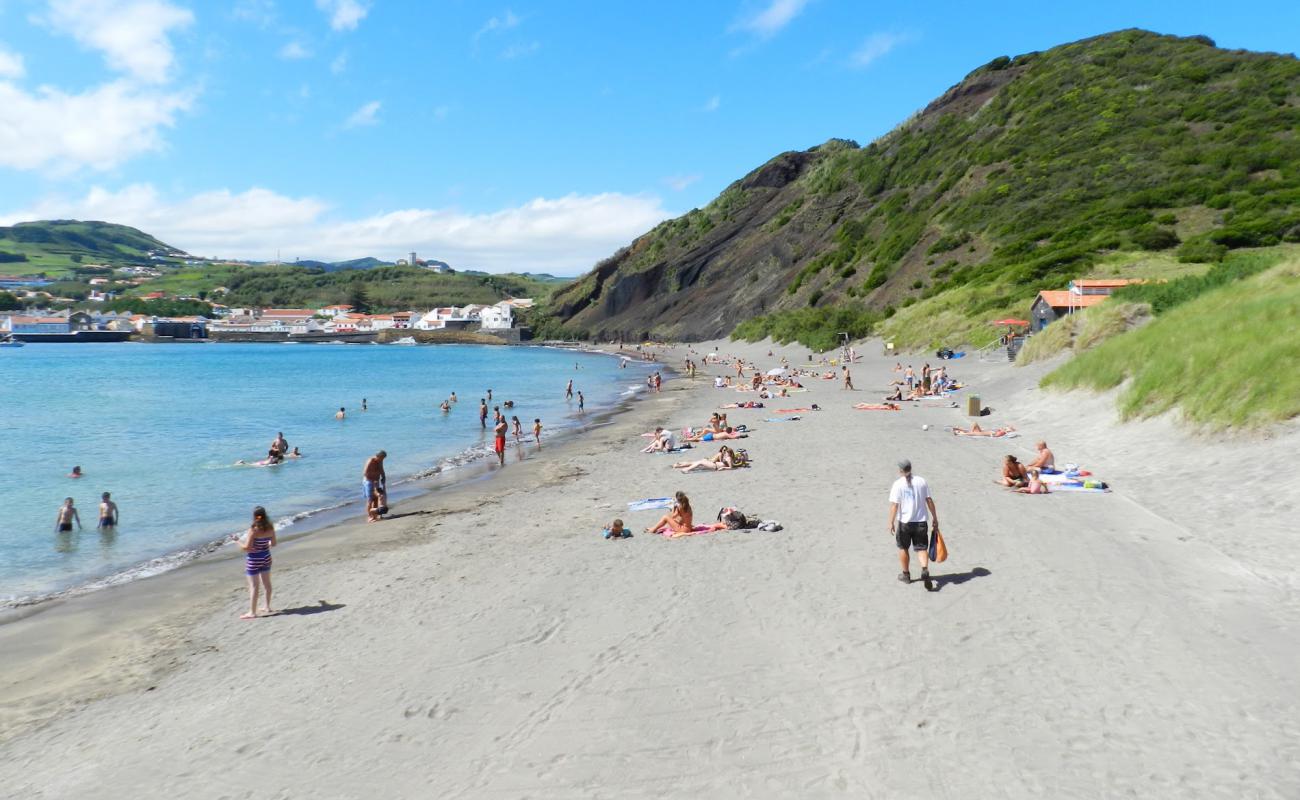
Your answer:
<point x="816" y="328"/>
<point x="1164" y="296"/>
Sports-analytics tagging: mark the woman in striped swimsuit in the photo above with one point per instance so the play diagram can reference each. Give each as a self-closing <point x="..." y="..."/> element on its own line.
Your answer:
<point x="257" y="544"/>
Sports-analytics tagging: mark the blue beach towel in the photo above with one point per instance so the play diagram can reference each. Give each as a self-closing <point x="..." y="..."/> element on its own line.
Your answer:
<point x="650" y="504"/>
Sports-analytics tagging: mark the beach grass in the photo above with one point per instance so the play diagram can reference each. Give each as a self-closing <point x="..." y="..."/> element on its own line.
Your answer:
<point x="1083" y="331"/>
<point x="1229" y="358"/>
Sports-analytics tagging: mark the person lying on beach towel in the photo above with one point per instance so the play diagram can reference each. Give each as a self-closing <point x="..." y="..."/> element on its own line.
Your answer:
<point x="795" y="418"/>
<point x="976" y="430"/>
<point x="710" y="436"/>
<point x="813" y="407"/>
<point x="746" y="404"/>
<point x="725" y="459"/>
<point x="876" y="406"/>
<point x="679" y="519"/>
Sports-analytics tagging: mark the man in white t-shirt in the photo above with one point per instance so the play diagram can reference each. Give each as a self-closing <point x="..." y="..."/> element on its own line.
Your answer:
<point x="910" y="510"/>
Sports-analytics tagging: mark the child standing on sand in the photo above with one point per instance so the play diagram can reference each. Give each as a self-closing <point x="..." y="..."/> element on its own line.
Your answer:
<point x="537" y="430"/>
<point x="256" y="543"/>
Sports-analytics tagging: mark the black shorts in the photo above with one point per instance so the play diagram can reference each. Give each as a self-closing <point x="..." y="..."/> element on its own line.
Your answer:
<point x="914" y="533"/>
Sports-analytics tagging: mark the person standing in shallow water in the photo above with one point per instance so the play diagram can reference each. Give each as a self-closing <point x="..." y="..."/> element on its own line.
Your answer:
<point x="482" y="413"/>
<point x="107" y="512"/>
<point x="499" y="439"/>
<point x="256" y="544"/>
<point x="66" y="516"/>
<point x="582" y="403"/>
<point x="568" y="390"/>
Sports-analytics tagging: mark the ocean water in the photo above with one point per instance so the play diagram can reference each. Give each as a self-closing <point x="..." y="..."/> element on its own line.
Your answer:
<point x="161" y="427"/>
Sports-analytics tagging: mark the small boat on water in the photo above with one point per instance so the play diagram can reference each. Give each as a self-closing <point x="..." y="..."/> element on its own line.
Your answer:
<point x="9" y="341"/>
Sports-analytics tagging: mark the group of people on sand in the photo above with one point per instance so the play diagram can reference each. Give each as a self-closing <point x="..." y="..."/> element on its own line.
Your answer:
<point x="907" y="385"/>
<point x="1027" y="478"/>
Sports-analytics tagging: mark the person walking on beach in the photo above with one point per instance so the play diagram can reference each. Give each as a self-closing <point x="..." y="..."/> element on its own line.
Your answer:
<point x="107" y="512"/>
<point x="537" y="431"/>
<point x="499" y="440"/>
<point x="568" y="390"/>
<point x="66" y="516"/>
<point x="373" y="482"/>
<point x="256" y="543"/>
<point x="581" y="403"/>
<point x="482" y="413"/>
<point x="909" y="376"/>
<point x="659" y="382"/>
<point x="848" y="380"/>
<point x="911" y="511"/>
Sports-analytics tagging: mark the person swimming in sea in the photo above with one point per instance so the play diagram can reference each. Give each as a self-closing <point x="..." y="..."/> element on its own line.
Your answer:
<point x="76" y="472"/>
<point x="108" y="513"/>
<point x="453" y="397"/>
<point x="66" y="516"/>
<point x="343" y="412"/>
<point x="446" y="407"/>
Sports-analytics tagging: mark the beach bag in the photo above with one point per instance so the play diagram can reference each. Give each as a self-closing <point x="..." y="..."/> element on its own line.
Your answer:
<point x="740" y="458"/>
<point x="938" y="550"/>
<point x="733" y="518"/>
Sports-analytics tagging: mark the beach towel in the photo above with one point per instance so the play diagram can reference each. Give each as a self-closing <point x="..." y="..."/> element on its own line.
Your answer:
<point x="875" y="407"/>
<point x="650" y="504"/>
<point x="713" y="527"/>
<point x="782" y="419"/>
<point x="1077" y="487"/>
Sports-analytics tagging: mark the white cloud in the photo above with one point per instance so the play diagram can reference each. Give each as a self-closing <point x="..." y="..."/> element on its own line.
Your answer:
<point x="100" y="127"/>
<point x="133" y="35"/>
<point x="294" y="51"/>
<point x="503" y="22"/>
<point x="564" y="235"/>
<point x="713" y="104"/>
<point x="679" y="182"/>
<point x="521" y="50"/>
<point x="368" y="114"/>
<point x="344" y="15"/>
<point x="769" y="21"/>
<point x="11" y="64"/>
<point x="875" y="47"/>
<point x="340" y="63"/>
<point x="261" y="13"/>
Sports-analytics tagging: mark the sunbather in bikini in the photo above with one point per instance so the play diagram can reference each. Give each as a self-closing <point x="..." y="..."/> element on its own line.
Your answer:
<point x="710" y="435"/>
<point x="976" y="430"/>
<point x="876" y="406"/>
<point x="723" y="460"/>
<point x="679" y="520"/>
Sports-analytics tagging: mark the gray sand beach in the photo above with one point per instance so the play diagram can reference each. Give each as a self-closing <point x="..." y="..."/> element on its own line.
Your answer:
<point x="488" y="642"/>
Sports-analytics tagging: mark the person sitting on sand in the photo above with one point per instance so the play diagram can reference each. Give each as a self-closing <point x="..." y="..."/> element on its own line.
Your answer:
<point x="1035" y="486"/>
<point x="1044" y="460"/>
<point x="976" y="430"/>
<point x="897" y="395"/>
<point x="746" y="404"/>
<point x="617" y="531"/>
<point x="725" y="459"/>
<point x="662" y="443"/>
<point x="1013" y="473"/>
<point x="679" y="519"/>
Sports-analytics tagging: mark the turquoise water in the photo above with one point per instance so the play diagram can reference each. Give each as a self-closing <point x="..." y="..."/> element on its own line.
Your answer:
<point x="161" y="427"/>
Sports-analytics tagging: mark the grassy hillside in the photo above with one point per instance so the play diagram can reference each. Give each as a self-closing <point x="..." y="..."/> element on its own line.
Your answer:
<point x="1227" y="357"/>
<point x="60" y="246"/>
<point x="383" y="288"/>
<point x="1031" y="171"/>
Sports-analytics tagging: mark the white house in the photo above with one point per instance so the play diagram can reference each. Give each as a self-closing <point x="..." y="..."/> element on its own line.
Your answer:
<point x="499" y="317"/>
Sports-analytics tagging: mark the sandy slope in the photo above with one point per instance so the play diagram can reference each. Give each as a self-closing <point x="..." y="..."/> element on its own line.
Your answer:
<point x="493" y="645"/>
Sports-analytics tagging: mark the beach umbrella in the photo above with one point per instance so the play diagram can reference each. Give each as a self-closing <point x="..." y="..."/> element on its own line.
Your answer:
<point x="779" y="372"/>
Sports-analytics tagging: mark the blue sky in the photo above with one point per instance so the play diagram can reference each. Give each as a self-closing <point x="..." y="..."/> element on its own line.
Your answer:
<point x="522" y="135"/>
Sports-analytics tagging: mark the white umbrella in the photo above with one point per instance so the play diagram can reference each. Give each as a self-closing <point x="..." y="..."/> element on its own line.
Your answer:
<point x="779" y="372"/>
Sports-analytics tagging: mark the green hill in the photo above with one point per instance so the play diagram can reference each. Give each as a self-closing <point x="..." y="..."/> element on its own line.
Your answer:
<point x="59" y="246"/>
<point x="1030" y="171"/>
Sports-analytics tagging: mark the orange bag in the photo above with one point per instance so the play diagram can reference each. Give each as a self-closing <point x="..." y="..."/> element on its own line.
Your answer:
<point x="938" y="550"/>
